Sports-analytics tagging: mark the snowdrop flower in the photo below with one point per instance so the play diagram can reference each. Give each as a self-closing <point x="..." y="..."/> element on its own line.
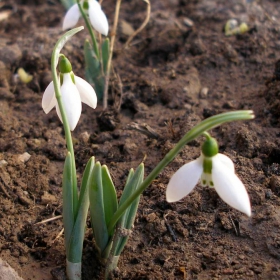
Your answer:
<point x="96" y="16"/>
<point x="215" y="170"/>
<point x="74" y="91"/>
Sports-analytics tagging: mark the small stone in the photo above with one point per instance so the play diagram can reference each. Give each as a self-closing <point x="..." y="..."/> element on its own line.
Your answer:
<point x="24" y="157"/>
<point x="228" y="271"/>
<point x="7" y="272"/>
<point x="188" y="22"/>
<point x="151" y="217"/>
<point x="23" y="197"/>
<point x="48" y="198"/>
<point x="3" y="163"/>
<point x="129" y="146"/>
<point x="204" y="92"/>
<point x="84" y="137"/>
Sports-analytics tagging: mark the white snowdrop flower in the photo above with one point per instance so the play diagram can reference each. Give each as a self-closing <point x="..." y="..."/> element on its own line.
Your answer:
<point x="215" y="170"/>
<point x="74" y="91"/>
<point x="96" y="16"/>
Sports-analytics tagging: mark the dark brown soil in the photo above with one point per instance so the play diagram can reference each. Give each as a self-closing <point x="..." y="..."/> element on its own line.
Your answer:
<point x="173" y="76"/>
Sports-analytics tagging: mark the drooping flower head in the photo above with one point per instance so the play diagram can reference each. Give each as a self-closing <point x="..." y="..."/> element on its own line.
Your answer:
<point x="74" y="91"/>
<point x="214" y="170"/>
<point x="96" y="16"/>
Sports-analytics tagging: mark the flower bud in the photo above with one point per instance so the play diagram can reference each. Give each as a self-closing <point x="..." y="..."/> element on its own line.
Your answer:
<point x="210" y="147"/>
<point x="64" y="65"/>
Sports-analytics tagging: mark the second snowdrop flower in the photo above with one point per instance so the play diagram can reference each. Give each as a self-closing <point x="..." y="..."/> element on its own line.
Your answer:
<point x="96" y="16"/>
<point x="215" y="170"/>
<point x="74" y="91"/>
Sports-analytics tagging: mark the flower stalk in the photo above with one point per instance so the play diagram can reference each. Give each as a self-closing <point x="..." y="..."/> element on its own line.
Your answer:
<point x="198" y="130"/>
<point x="75" y="205"/>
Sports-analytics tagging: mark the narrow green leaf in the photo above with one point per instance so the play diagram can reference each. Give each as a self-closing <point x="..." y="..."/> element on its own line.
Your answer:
<point x="86" y="181"/>
<point x="132" y="183"/>
<point x="126" y="190"/>
<point x="139" y="177"/>
<point x="75" y="246"/>
<point x="105" y="54"/>
<point x="67" y="195"/>
<point x="93" y="71"/>
<point x="91" y="59"/>
<point x="109" y="195"/>
<point x="60" y="43"/>
<point x="127" y="220"/>
<point x="97" y="213"/>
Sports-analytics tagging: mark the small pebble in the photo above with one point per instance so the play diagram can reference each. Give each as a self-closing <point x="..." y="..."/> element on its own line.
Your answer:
<point x="24" y="157"/>
<point x="228" y="271"/>
<point x="204" y="92"/>
<point x="151" y="217"/>
<point x="84" y="137"/>
<point x="47" y="198"/>
<point x="188" y="22"/>
<point x="3" y="163"/>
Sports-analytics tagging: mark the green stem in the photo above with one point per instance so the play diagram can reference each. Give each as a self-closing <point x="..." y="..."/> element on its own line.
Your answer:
<point x="90" y="30"/>
<point x="199" y="129"/>
<point x="112" y="260"/>
<point x="67" y="131"/>
<point x="206" y="135"/>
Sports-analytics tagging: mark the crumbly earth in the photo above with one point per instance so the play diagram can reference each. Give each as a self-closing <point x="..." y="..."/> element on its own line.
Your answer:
<point x="179" y="70"/>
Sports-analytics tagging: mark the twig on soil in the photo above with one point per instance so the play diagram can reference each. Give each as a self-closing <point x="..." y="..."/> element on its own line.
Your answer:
<point x="236" y="231"/>
<point x="172" y="233"/>
<point x="145" y="129"/>
<point x="49" y="220"/>
<point x="113" y="37"/>
<point x="59" y="234"/>
<point x="145" y="22"/>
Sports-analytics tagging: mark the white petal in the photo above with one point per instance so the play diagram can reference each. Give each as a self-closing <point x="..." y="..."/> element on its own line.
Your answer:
<point x="49" y="100"/>
<point x="97" y="18"/>
<point x="71" y="18"/>
<point x="87" y="93"/>
<point x="230" y="188"/>
<point x="184" y="180"/>
<point x="225" y="160"/>
<point x="71" y="101"/>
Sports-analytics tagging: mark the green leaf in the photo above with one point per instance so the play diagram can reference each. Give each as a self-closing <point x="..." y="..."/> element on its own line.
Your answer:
<point x="91" y="59"/>
<point x="137" y="180"/>
<point x="77" y="236"/>
<point x="86" y="181"/>
<point x="109" y="195"/>
<point x="127" y="220"/>
<point x="67" y="194"/>
<point x="97" y="213"/>
<point x="105" y="54"/>
<point x="60" y="44"/>
<point x="93" y="70"/>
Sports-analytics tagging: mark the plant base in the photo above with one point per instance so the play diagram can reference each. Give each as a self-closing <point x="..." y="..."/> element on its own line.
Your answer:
<point x="74" y="270"/>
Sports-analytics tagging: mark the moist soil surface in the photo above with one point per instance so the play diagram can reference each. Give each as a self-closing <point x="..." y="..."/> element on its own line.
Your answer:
<point x="178" y="71"/>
